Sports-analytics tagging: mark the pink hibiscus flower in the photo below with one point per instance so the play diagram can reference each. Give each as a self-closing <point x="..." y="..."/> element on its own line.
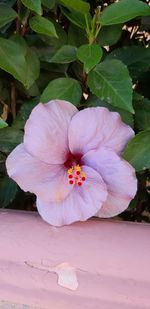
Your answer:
<point x="70" y="160"/>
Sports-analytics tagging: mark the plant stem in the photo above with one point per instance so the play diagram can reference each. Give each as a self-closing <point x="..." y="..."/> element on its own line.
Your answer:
<point x="18" y="23"/>
<point x="87" y="25"/>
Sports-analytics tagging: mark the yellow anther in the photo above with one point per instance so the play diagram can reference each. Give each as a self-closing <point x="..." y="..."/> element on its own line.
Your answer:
<point x="70" y="171"/>
<point x="83" y="174"/>
<point x="78" y="168"/>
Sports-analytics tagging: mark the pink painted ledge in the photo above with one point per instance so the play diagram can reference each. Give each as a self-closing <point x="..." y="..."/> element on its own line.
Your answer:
<point x="106" y="264"/>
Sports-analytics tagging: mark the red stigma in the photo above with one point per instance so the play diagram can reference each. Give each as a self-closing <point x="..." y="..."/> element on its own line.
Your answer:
<point x="71" y="182"/>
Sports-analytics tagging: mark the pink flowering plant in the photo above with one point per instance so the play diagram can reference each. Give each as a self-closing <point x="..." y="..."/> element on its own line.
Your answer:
<point x="84" y="150"/>
<point x="71" y="161"/>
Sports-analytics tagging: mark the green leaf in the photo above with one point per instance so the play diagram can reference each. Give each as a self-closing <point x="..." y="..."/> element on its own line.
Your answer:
<point x="110" y="81"/>
<point x="137" y="151"/>
<point x="33" y="91"/>
<point x="55" y="70"/>
<point x="54" y="42"/>
<point x="90" y="55"/>
<point x="67" y="89"/>
<point x="10" y="3"/>
<point x="7" y="14"/>
<point x="17" y="59"/>
<point x="137" y="58"/>
<point x="65" y="54"/>
<point x="77" y="18"/>
<point x="49" y="3"/>
<point x="142" y="114"/>
<point x="9" y="139"/>
<point x="34" y="5"/>
<point x="12" y="59"/>
<point x="32" y="67"/>
<point x="24" y="113"/>
<point x="17" y="39"/>
<point x="77" y="5"/>
<point x="123" y="11"/>
<point x="76" y="36"/>
<point x="42" y="25"/>
<point x="126" y="117"/>
<point x="3" y="124"/>
<point x="8" y="190"/>
<point x="109" y="35"/>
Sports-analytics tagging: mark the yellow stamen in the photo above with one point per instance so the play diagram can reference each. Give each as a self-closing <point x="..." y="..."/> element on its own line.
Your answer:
<point x="78" y="168"/>
<point x="70" y="171"/>
<point x="75" y="175"/>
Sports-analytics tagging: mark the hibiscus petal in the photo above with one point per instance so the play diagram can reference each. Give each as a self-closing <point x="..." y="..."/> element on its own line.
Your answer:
<point x="48" y="181"/>
<point x="82" y="203"/>
<point x="113" y="206"/>
<point x="46" y="131"/>
<point x="93" y="127"/>
<point x="119" y="177"/>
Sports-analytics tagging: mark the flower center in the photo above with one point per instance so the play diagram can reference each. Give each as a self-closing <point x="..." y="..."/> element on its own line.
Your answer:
<point x="76" y="175"/>
<point x="73" y="164"/>
<point x="72" y="160"/>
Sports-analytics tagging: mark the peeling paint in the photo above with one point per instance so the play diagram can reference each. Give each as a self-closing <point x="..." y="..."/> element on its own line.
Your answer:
<point x="66" y="273"/>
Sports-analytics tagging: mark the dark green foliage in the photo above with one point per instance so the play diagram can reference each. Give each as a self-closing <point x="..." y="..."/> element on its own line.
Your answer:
<point x="8" y="190"/>
<point x="74" y="49"/>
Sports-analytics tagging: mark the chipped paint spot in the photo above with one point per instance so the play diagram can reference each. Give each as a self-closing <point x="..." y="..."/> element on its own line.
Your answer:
<point x="66" y="273"/>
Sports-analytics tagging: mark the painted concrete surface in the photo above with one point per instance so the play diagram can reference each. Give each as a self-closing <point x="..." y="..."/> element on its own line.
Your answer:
<point x="98" y="264"/>
<point x="8" y="305"/>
